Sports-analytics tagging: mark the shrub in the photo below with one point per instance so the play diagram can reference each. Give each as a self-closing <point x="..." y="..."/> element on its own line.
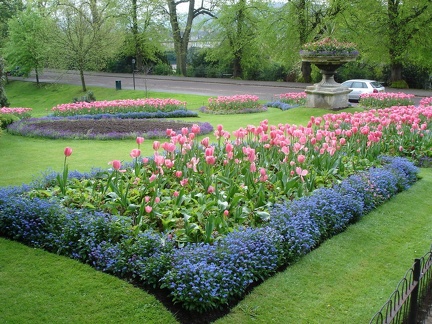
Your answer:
<point x="400" y="84"/>
<point x="6" y="120"/>
<point x="89" y="97"/>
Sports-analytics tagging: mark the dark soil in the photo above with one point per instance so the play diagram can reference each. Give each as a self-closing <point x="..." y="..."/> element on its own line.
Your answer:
<point x="112" y="125"/>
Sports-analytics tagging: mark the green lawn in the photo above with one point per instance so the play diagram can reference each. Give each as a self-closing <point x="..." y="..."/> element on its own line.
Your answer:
<point x="346" y="280"/>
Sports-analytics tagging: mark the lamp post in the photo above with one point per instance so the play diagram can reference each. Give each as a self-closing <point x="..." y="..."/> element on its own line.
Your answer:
<point x="133" y="72"/>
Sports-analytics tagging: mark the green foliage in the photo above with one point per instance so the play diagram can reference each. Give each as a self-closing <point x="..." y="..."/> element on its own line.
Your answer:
<point x="27" y="45"/>
<point x="3" y="99"/>
<point x="400" y="84"/>
<point x="89" y="97"/>
<point x="162" y="69"/>
<point x="7" y="119"/>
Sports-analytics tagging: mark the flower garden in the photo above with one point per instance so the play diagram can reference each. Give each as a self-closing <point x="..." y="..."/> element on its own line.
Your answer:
<point x="205" y="220"/>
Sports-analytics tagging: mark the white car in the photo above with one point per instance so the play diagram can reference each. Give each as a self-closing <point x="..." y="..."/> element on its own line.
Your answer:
<point x="360" y="86"/>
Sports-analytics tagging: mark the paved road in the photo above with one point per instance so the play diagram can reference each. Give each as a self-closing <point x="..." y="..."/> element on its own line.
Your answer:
<point x="173" y="84"/>
<point x="266" y="90"/>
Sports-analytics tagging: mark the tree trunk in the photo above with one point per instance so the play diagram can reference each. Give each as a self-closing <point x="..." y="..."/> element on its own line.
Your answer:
<point x="82" y="80"/>
<point x="181" y="40"/>
<point x="37" y="76"/>
<point x="135" y="33"/>
<point x="395" y="71"/>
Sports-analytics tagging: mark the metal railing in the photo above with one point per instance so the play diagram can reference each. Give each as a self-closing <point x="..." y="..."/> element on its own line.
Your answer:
<point x="412" y="300"/>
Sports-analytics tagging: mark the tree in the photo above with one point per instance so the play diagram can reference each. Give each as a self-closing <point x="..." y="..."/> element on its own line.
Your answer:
<point x="393" y="31"/>
<point x="86" y="36"/>
<point x="3" y="99"/>
<point x="237" y="28"/>
<point x="181" y="36"/>
<point x="302" y="21"/>
<point x="27" y="44"/>
<point x="8" y="9"/>
<point x="145" y="30"/>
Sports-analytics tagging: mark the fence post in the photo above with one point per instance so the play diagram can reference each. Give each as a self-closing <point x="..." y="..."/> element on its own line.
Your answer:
<point x="412" y="319"/>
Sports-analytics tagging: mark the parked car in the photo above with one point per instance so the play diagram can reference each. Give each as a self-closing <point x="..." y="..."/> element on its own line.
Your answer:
<point x="360" y="86"/>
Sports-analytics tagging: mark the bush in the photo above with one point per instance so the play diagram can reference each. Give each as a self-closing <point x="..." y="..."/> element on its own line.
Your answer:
<point x="162" y="69"/>
<point x="89" y="97"/>
<point x="7" y="119"/>
<point x="400" y="84"/>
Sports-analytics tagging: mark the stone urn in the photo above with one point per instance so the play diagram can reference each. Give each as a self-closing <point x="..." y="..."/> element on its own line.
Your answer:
<point x="327" y="93"/>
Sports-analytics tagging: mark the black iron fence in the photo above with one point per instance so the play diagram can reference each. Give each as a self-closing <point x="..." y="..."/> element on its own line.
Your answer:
<point x="412" y="300"/>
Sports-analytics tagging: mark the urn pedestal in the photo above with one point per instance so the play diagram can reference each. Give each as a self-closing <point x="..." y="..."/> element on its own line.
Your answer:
<point x="327" y="93"/>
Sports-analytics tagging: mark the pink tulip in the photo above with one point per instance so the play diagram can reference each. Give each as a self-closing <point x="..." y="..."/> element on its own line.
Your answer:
<point x="184" y="182"/>
<point x="169" y="163"/>
<point x="153" y="177"/>
<point x="159" y="160"/>
<point x="67" y="151"/>
<point x="178" y="174"/>
<point x="156" y="145"/>
<point x="135" y="153"/>
<point x="205" y="141"/>
<point x="139" y="140"/>
<point x="116" y="164"/>
<point x="195" y="129"/>
<point x="226" y="213"/>
<point x="301" y="158"/>
<point x="209" y="151"/>
<point x="210" y="189"/>
<point x="210" y="160"/>
<point x="148" y="209"/>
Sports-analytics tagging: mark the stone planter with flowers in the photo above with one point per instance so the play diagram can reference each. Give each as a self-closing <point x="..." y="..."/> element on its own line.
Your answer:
<point x="328" y="55"/>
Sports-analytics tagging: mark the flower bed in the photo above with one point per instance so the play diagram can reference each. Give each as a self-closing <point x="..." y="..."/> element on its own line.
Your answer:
<point x="385" y="99"/>
<point x="201" y="276"/>
<point x="150" y="105"/>
<point x="426" y="101"/>
<point x="205" y="220"/>
<point x="104" y="127"/>
<point x="239" y="104"/>
<point x="19" y="112"/>
<point x="288" y="100"/>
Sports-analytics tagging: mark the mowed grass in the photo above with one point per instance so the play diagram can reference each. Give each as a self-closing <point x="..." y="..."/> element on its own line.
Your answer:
<point x="345" y="280"/>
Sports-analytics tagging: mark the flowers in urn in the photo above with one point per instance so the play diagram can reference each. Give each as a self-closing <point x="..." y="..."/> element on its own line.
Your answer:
<point x="329" y="47"/>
